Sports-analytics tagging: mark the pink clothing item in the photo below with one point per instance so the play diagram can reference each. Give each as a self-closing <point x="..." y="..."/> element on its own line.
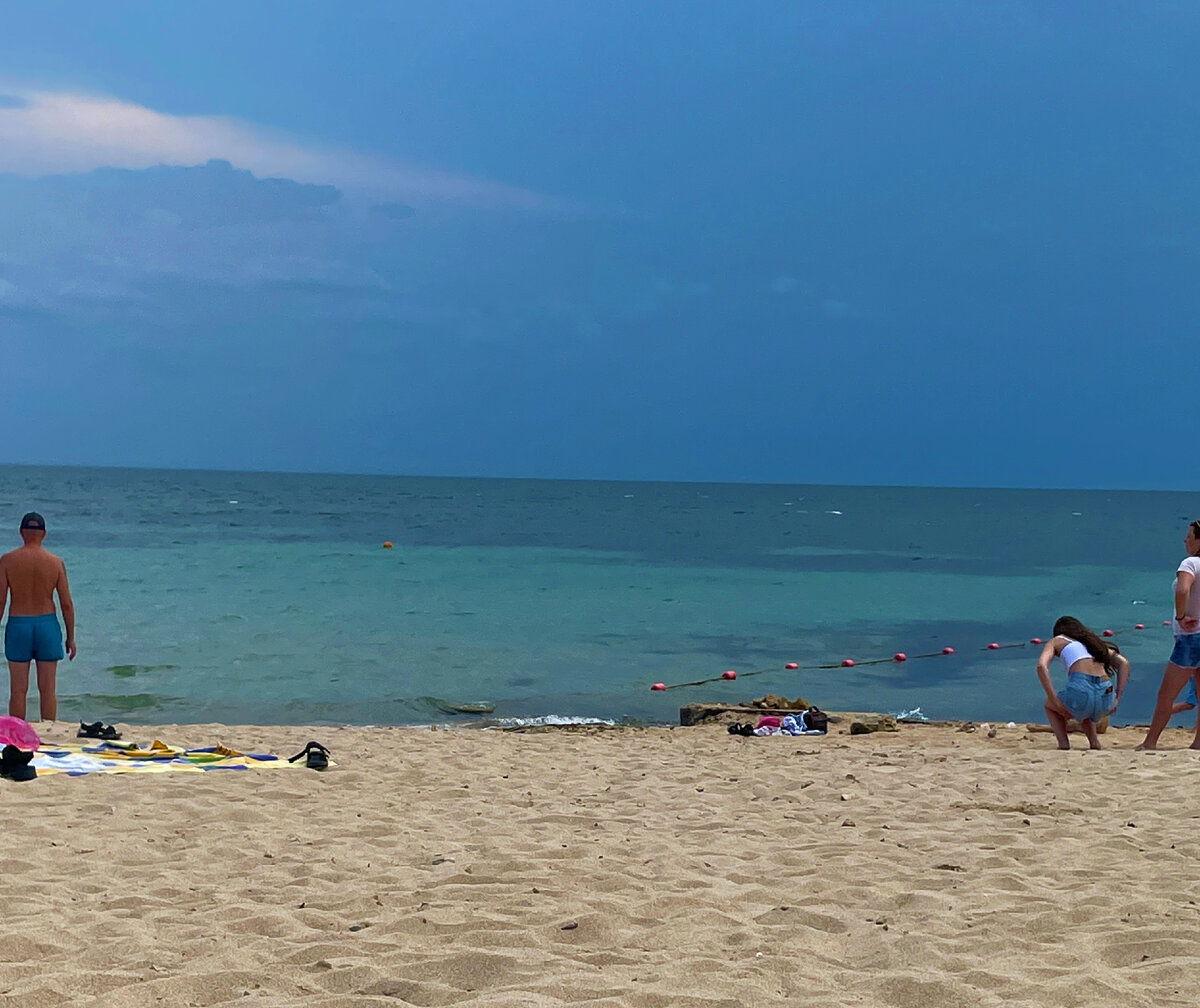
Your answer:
<point x="18" y="732"/>
<point x="768" y="721"/>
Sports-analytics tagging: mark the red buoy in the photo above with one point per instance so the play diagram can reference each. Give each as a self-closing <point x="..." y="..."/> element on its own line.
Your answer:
<point x="947" y="650"/>
<point x="729" y="674"/>
<point x="993" y="646"/>
<point x="1166" y="622"/>
<point x="1106" y="633"/>
<point x="1139" y="626"/>
<point x="1035" y="640"/>
<point x="658" y="687"/>
<point x="847" y="663"/>
<point x="791" y="665"/>
<point x="899" y="656"/>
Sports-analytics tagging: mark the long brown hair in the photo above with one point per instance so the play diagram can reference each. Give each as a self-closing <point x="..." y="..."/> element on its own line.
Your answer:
<point x="1100" y="650"/>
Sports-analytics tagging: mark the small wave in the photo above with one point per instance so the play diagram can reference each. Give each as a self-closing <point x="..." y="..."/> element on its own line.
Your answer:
<point x="550" y="720"/>
<point x="457" y="707"/>
<point x="911" y="715"/>
<point x="113" y="704"/>
<point x="133" y="670"/>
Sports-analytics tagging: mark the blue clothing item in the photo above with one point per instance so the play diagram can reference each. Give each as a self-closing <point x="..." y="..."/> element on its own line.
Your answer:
<point x="1189" y="693"/>
<point x="33" y="638"/>
<point x="791" y="725"/>
<point x="1088" y="697"/>
<point x="1187" y="650"/>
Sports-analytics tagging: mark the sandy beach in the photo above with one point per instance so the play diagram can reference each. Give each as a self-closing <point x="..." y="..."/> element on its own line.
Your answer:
<point x="640" y="867"/>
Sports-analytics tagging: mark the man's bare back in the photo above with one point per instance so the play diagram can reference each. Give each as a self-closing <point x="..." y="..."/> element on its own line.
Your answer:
<point x="32" y="574"/>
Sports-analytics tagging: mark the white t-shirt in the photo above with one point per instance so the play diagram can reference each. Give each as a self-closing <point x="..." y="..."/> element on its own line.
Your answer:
<point x="1192" y="566"/>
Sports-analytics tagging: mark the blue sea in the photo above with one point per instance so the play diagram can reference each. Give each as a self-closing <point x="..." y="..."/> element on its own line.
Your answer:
<point x="269" y="598"/>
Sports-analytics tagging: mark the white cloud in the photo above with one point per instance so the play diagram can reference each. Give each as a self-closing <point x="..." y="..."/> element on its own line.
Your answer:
<point x="44" y="132"/>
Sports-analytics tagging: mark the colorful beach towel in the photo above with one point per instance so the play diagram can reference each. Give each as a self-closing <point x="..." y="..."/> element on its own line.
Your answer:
<point x="78" y="758"/>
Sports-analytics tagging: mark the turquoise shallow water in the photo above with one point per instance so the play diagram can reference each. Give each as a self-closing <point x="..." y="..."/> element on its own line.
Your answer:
<point x="268" y="598"/>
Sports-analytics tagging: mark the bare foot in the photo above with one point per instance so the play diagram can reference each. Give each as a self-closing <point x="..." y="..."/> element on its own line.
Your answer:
<point x="1145" y="748"/>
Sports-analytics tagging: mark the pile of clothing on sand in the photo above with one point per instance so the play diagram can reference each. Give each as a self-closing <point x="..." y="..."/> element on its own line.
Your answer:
<point x="812" y="721"/>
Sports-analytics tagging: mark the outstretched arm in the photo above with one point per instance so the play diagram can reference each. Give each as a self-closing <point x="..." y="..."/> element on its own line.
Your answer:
<point x="68" y="609"/>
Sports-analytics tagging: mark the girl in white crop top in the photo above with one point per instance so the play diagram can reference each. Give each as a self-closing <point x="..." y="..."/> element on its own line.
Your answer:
<point x="1097" y="674"/>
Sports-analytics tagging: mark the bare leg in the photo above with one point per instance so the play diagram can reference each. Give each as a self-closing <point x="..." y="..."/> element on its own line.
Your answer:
<point x="18" y="687"/>
<point x="1058" y="725"/>
<point x="47" y="697"/>
<point x="1089" y="729"/>
<point x="1174" y="679"/>
<point x="1196" y="740"/>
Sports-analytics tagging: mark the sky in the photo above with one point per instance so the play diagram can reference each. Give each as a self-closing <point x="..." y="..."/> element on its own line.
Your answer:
<point x="928" y="243"/>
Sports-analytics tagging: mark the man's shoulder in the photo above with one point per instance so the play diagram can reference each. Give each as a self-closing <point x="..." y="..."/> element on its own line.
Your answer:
<point x="30" y="554"/>
<point x="48" y="558"/>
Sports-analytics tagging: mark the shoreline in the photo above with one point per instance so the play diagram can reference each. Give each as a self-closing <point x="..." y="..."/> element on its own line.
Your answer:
<point x="714" y="714"/>
<point x="638" y="867"/>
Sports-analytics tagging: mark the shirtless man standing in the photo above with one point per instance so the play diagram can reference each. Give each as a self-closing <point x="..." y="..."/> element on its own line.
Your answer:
<point x="31" y="575"/>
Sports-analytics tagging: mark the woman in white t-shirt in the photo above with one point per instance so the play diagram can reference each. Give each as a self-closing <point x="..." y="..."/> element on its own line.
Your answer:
<point x="1185" y="658"/>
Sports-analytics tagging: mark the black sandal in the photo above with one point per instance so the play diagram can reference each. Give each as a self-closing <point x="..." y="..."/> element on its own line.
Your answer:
<point x="316" y="756"/>
<point x="98" y="730"/>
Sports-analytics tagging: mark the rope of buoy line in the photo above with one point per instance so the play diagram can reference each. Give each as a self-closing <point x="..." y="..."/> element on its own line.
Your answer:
<point x="900" y="656"/>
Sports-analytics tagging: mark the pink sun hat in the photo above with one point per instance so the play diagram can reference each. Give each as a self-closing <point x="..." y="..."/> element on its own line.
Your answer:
<point x="19" y="732"/>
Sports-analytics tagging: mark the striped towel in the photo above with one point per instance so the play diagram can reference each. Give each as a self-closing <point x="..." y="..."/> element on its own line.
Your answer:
<point x="76" y="759"/>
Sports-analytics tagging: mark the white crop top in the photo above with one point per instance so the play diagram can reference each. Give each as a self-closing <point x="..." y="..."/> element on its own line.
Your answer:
<point x="1073" y="652"/>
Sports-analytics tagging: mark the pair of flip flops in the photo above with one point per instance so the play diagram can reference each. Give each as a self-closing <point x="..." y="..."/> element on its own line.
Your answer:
<point x="97" y="729"/>
<point x="14" y="764"/>
<point x="315" y="756"/>
<point x="737" y="728"/>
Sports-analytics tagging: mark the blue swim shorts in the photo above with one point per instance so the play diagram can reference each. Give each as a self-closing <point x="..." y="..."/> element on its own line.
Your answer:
<point x="33" y="638"/>
<point x="1187" y="651"/>
<point x="1088" y="697"/>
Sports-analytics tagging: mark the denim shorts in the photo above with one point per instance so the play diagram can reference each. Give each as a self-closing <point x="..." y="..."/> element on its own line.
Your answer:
<point x="1088" y="697"/>
<point x="1187" y="651"/>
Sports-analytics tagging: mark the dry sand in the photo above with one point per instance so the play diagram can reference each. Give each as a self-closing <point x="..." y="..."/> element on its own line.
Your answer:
<point x="640" y="867"/>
